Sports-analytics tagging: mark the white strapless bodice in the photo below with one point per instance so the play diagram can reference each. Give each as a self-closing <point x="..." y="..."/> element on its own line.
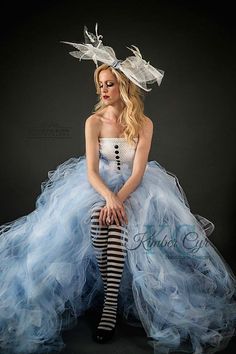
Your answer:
<point x="117" y="151"/>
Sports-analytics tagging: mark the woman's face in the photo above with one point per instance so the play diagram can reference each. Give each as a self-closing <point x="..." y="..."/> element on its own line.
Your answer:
<point x="109" y="87"/>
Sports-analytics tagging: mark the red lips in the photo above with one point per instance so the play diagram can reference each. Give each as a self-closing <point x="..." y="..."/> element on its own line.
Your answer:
<point x="105" y="97"/>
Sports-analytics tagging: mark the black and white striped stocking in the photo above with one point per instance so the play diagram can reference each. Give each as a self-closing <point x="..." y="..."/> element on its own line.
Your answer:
<point x="99" y="235"/>
<point x="110" y="247"/>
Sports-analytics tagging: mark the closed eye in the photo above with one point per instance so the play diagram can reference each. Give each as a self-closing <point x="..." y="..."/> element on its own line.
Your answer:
<point x="108" y="84"/>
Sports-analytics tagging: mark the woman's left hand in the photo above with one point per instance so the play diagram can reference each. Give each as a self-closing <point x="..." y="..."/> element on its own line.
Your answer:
<point x="106" y="219"/>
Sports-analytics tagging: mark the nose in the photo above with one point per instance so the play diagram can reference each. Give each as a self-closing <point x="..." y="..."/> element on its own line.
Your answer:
<point x="104" y="89"/>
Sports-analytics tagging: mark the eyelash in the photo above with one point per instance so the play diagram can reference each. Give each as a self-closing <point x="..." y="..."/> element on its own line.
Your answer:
<point x="109" y="85"/>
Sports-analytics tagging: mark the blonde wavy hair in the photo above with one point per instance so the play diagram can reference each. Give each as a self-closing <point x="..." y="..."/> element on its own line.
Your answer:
<point x="132" y="117"/>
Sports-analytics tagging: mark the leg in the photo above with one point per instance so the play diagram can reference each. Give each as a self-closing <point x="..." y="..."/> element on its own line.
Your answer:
<point x="99" y="235"/>
<point x="116" y="253"/>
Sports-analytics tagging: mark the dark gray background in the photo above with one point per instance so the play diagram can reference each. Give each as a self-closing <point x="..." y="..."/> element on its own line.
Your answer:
<point x="46" y="95"/>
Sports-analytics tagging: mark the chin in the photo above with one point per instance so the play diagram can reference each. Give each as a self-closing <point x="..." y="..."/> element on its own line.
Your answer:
<point x="110" y="103"/>
<point x="107" y="101"/>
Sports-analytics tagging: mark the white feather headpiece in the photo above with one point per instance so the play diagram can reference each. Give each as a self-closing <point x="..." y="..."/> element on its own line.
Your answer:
<point x="134" y="67"/>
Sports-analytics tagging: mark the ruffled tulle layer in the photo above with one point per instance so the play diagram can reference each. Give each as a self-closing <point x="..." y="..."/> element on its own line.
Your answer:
<point x="175" y="282"/>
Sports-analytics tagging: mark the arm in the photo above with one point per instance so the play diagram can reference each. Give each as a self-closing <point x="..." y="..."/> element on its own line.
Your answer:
<point x="140" y="161"/>
<point x="92" y="157"/>
<point x="114" y="207"/>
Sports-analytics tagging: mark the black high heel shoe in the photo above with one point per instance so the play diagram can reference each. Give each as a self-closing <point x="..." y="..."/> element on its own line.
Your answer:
<point x="102" y="335"/>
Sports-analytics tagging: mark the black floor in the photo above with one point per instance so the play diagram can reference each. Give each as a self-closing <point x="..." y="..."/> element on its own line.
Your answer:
<point x="127" y="339"/>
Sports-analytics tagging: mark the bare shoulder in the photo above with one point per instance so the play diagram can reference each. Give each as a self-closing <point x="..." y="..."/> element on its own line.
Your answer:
<point x="147" y="129"/>
<point x="93" y="123"/>
<point x="148" y="122"/>
<point x="93" y="119"/>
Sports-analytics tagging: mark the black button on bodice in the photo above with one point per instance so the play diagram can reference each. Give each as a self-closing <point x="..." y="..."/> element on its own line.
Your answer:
<point x="116" y="152"/>
<point x="116" y="146"/>
<point x="118" y="168"/>
<point x="117" y="157"/>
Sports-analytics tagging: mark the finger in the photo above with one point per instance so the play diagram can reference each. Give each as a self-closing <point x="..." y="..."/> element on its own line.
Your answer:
<point x="104" y="217"/>
<point x="101" y="217"/>
<point x="115" y="218"/>
<point x="107" y="218"/>
<point x="119" y="215"/>
<point x="111" y="215"/>
<point x="123" y="216"/>
<point x="111" y="220"/>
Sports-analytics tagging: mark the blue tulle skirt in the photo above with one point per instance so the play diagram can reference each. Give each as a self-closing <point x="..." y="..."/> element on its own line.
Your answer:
<point x="175" y="283"/>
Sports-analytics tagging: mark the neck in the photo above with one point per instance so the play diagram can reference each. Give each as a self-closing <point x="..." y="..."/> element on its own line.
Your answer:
<point x="114" y="111"/>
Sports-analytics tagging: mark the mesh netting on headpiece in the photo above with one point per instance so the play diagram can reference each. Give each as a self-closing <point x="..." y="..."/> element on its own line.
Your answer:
<point x="134" y="67"/>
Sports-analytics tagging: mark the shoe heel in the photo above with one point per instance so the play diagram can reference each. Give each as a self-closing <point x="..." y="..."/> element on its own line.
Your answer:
<point x="103" y="336"/>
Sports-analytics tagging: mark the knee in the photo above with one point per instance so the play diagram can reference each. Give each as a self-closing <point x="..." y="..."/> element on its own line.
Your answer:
<point x="119" y="232"/>
<point x="95" y="212"/>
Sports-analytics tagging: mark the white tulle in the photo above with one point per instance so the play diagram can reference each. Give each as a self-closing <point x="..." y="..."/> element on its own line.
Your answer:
<point x="49" y="274"/>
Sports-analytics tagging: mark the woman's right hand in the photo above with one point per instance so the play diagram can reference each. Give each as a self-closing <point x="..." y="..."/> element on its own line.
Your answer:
<point x="114" y="209"/>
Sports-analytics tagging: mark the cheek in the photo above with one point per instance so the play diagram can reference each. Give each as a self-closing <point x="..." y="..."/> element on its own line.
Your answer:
<point x="116" y="91"/>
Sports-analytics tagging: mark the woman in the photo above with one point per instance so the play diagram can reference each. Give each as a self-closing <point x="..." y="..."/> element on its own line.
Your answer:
<point x="114" y="231"/>
<point x="108" y="124"/>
